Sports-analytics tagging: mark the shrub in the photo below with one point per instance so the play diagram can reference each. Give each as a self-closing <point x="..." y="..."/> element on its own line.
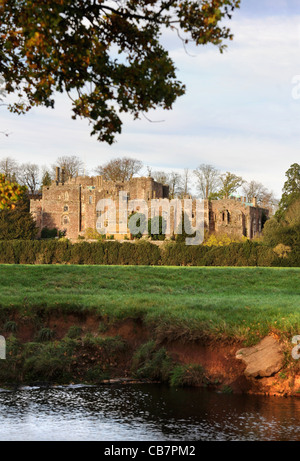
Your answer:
<point x="184" y="229"/>
<point x="282" y="250"/>
<point x="17" y="224"/>
<point x="157" y="228"/>
<point x="143" y="252"/>
<point x="80" y="253"/>
<point x="7" y="253"/>
<point x="45" y="334"/>
<point x="49" y="362"/>
<point x="11" y="368"/>
<point x="47" y="233"/>
<point x="150" y="362"/>
<point x="74" y="332"/>
<point x="180" y="254"/>
<point x="222" y="239"/>
<point x="267" y="257"/>
<point x="187" y="375"/>
<point x="92" y="234"/>
<point x="10" y="326"/>
<point x="108" y="347"/>
<point x="137" y="225"/>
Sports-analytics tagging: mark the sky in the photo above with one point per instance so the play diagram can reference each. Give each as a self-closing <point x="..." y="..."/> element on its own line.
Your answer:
<point x="240" y="113"/>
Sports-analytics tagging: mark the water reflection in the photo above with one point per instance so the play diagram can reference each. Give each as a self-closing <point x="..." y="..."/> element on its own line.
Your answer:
<point x="144" y="412"/>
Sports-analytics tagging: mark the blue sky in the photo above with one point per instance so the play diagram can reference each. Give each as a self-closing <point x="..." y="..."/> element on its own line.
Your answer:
<point x="238" y="113"/>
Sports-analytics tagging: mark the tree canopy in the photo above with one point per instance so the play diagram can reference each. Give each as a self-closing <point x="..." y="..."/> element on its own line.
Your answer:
<point x="106" y="55"/>
<point x="291" y="189"/>
<point x="119" y="169"/>
<point x="230" y="183"/>
<point x="284" y="227"/>
<point x="10" y="193"/>
<point x="17" y="224"/>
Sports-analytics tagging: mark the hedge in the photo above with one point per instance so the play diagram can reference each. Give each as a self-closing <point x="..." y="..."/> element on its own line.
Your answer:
<point x="142" y="253"/>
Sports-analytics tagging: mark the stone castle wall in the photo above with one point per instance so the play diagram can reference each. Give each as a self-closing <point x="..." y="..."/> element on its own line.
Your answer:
<point x="71" y="206"/>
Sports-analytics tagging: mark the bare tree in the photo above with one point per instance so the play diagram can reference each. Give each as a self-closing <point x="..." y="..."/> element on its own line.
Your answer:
<point x="253" y="189"/>
<point x="208" y="180"/>
<point x="119" y="169"/>
<point x="72" y="165"/>
<point x="264" y="197"/>
<point x="172" y="179"/>
<point x="174" y="184"/>
<point x="10" y="168"/>
<point x="149" y="171"/>
<point x="30" y="176"/>
<point x="161" y="177"/>
<point x="184" y="186"/>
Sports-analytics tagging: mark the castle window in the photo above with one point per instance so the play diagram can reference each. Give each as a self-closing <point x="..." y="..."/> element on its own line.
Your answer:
<point x="223" y="216"/>
<point x="65" y="220"/>
<point x="66" y="196"/>
<point x="228" y="217"/>
<point x="90" y="199"/>
<point x="66" y="208"/>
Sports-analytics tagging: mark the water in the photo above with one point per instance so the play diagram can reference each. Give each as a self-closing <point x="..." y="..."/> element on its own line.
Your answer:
<point x="144" y="412"/>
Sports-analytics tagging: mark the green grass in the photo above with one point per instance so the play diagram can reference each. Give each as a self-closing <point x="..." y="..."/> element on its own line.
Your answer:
<point x="187" y="302"/>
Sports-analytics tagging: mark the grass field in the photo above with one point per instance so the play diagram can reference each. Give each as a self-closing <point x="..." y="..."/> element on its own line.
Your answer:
<point x="189" y="302"/>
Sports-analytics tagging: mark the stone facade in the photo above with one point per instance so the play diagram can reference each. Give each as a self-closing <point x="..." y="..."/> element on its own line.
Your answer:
<point x="236" y="217"/>
<point x="71" y="206"/>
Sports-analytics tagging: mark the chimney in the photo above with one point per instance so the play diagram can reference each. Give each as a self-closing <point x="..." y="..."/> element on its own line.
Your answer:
<point x="100" y="181"/>
<point x="63" y="175"/>
<point x="57" y="178"/>
<point x="254" y="201"/>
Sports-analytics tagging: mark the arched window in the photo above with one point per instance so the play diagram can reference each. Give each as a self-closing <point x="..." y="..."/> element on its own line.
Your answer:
<point x="65" y="220"/>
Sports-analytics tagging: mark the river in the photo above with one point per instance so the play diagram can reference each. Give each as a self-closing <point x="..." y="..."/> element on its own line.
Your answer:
<point x="142" y="412"/>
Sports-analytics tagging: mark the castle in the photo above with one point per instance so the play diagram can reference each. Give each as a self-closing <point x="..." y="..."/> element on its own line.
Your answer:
<point x="71" y="205"/>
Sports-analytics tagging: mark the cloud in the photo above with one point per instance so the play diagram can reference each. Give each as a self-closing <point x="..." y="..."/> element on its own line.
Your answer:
<point x="238" y="112"/>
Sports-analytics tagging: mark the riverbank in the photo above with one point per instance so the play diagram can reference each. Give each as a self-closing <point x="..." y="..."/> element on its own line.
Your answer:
<point x="183" y="326"/>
